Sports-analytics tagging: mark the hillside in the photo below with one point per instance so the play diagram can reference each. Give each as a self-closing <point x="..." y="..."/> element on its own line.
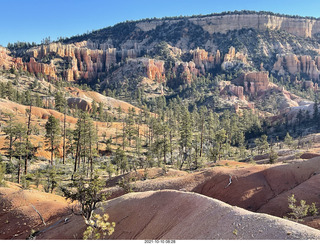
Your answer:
<point x="190" y="113"/>
<point x="198" y="218"/>
<point x="142" y="60"/>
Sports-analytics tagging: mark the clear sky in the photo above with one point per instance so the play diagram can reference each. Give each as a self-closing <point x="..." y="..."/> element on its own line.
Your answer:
<point x="33" y="20"/>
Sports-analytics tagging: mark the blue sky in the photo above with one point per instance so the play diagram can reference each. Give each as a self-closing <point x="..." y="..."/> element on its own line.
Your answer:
<point x="33" y="20"/>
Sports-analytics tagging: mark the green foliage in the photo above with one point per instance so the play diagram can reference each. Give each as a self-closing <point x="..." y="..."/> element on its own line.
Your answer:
<point x="60" y="101"/>
<point x="120" y="160"/>
<point x="313" y="210"/>
<point x="273" y="156"/>
<point x="2" y="172"/>
<point x="262" y="143"/>
<point x="288" y="140"/>
<point x="98" y="225"/>
<point x="52" y="136"/>
<point x="51" y="179"/>
<point x="86" y="192"/>
<point x="125" y="184"/>
<point x="300" y="211"/>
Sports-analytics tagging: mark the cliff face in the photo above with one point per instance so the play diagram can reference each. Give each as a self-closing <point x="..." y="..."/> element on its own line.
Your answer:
<point x="5" y="59"/>
<point x="221" y="24"/>
<point x="205" y="61"/>
<point x="233" y="58"/>
<point x="256" y="82"/>
<point x="84" y="59"/>
<point x="155" y="69"/>
<point x="41" y="68"/>
<point x="90" y="59"/>
<point x="294" y="64"/>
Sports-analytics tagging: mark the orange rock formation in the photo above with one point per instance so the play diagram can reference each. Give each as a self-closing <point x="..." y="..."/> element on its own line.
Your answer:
<point x="298" y="64"/>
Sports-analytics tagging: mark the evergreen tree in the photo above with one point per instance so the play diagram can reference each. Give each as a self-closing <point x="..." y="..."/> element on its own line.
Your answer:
<point x="60" y="101"/>
<point x="120" y="160"/>
<point x="262" y="143"/>
<point x="316" y="115"/>
<point x="300" y="117"/>
<point x="52" y="135"/>
<point x="94" y="109"/>
<point x="288" y="140"/>
<point x="185" y="135"/>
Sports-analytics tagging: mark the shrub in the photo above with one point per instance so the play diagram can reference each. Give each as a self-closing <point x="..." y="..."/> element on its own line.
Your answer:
<point x="299" y="212"/>
<point x="87" y="193"/>
<point x="2" y="172"/>
<point x="97" y="225"/>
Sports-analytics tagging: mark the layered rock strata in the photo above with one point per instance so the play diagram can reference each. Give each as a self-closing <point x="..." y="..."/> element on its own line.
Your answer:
<point x="294" y="64"/>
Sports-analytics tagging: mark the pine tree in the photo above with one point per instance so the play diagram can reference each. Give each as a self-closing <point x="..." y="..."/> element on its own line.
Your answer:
<point x="316" y="115"/>
<point x="300" y="117"/>
<point x="120" y="160"/>
<point x="60" y="101"/>
<point x="94" y="109"/>
<point x="288" y="140"/>
<point x="52" y="135"/>
<point x="185" y="135"/>
<point x="28" y="112"/>
<point x="85" y="136"/>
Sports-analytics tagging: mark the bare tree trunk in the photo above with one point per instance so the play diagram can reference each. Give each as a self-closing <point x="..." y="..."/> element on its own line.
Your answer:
<point x="64" y="137"/>
<point x="19" y="171"/>
<point x="52" y="149"/>
<point x="123" y="135"/>
<point x="77" y="153"/>
<point x="201" y="138"/>
<point x="27" y="141"/>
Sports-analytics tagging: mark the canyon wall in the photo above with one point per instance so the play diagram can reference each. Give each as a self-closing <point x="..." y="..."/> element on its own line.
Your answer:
<point x="223" y="23"/>
<point x="295" y="64"/>
<point x="84" y="59"/>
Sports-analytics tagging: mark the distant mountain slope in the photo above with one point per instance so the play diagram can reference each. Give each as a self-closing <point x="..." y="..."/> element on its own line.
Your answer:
<point x="155" y="57"/>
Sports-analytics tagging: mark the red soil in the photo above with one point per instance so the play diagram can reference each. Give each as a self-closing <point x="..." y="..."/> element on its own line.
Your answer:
<point x="18" y="216"/>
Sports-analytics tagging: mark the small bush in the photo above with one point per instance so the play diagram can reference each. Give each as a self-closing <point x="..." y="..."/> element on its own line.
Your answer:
<point x="299" y="212"/>
<point x="2" y="172"/>
<point x="98" y="225"/>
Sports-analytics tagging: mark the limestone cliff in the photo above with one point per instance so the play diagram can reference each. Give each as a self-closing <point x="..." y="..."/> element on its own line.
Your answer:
<point x="303" y="27"/>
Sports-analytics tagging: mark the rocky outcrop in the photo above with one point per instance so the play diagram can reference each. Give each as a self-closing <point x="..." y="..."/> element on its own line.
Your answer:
<point x="294" y="64"/>
<point x="36" y="68"/>
<point x="233" y="59"/>
<point x="233" y="90"/>
<point x="85" y="59"/>
<point x="154" y="69"/>
<point x="227" y="88"/>
<point x="5" y="59"/>
<point x="256" y="82"/>
<point x="185" y="71"/>
<point x="309" y="85"/>
<point x="237" y="90"/>
<point x="203" y="60"/>
<point x="79" y="103"/>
